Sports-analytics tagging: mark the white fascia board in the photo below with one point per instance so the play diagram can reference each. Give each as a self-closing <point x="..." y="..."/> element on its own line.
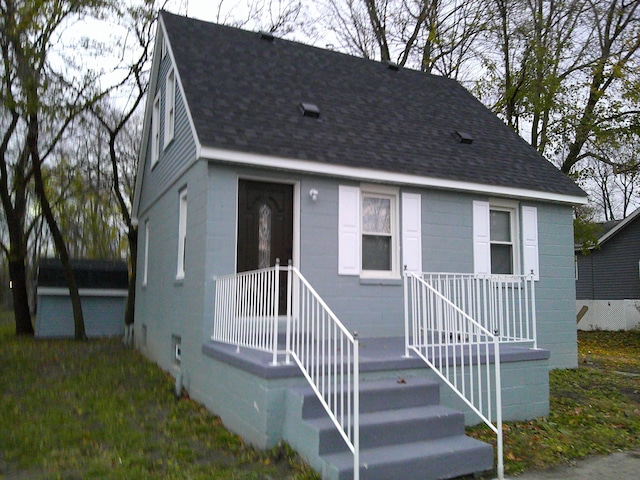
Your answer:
<point x="84" y="292"/>
<point x="367" y="174"/>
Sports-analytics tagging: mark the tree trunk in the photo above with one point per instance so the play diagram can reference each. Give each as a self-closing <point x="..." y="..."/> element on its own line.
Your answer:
<point x="132" y="236"/>
<point x="19" y="291"/>
<point x="58" y="239"/>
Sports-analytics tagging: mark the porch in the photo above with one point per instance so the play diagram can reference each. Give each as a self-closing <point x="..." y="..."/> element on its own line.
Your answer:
<point x="309" y="358"/>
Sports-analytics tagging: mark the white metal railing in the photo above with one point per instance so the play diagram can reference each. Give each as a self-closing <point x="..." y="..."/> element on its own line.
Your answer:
<point x="246" y="310"/>
<point x="461" y="351"/>
<point x="328" y="355"/>
<point x="246" y="315"/>
<point x="505" y="305"/>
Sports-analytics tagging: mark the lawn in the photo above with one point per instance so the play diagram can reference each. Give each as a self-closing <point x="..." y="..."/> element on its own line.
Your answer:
<point x="594" y="409"/>
<point x="79" y="410"/>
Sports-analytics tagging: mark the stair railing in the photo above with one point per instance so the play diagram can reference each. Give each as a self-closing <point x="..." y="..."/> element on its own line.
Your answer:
<point x="246" y="315"/>
<point x="461" y="351"/>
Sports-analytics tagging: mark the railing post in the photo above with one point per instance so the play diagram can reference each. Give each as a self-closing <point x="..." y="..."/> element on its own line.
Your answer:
<point x="356" y="407"/>
<point x="288" y="339"/>
<point x="533" y="309"/>
<point x="276" y="304"/>
<point x="500" y="453"/>
<point x="406" y="313"/>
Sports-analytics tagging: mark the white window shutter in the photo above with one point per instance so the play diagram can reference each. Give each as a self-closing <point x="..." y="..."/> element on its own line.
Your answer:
<point x="481" y="238"/>
<point x="412" y="232"/>
<point x="348" y="230"/>
<point x="530" y="241"/>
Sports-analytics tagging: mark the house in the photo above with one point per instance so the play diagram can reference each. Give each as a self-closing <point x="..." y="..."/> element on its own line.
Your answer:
<point x="103" y="289"/>
<point x="608" y="278"/>
<point x="288" y="197"/>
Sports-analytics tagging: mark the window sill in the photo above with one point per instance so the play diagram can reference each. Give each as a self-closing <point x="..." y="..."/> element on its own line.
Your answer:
<point x="381" y="281"/>
<point x="178" y="282"/>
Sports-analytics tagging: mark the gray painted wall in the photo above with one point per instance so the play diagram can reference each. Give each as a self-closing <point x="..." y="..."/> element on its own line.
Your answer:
<point x="611" y="272"/>
<point x="375" y="308"/>
<point x="178" y="155"/>
<point x="103" y="316"/>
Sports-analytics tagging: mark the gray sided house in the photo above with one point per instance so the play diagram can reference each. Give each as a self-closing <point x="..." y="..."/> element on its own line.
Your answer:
<point x="288" y="197"/>
<point x="608" y="278"/>
<point x="103" y="290"/>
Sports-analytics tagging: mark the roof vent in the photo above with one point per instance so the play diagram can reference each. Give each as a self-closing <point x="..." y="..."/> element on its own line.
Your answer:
<point x="463" y="137"/>
<point x="392" y="65"/>
<point x="309" y="110"/>
<point x="268" y="36"/>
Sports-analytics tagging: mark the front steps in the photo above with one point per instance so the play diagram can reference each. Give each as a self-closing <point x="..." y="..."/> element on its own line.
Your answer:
<point x="404" y="434"/>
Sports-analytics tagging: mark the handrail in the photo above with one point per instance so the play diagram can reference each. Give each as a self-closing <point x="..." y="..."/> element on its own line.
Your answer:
<point x="503" y="304"/>
<point x="458" y="349"/>
<point x="328" y="356"/>
<point x="246" y="315"/>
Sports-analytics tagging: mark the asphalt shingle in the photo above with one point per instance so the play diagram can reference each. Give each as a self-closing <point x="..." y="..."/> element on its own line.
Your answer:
<point x="244" y="94"/>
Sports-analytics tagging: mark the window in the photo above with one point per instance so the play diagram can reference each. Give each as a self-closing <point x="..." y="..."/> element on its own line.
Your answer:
<point x="182" y="235"/>
<point x="155" y="131"/>
<point x="501" y="239"/>
<point x="145" y="274"/>
<point x="368" y="232"/>
<point x="497" y="247"/>
<point x="169" y="107"/>
<point x="377" y="232"/>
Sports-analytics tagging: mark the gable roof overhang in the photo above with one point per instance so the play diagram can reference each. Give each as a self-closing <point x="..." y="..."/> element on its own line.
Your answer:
<point x="380" y="176"/>
<point x="615" y="230"/>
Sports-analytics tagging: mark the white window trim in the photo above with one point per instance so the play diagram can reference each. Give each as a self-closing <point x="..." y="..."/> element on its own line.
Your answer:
<point x="155" y="131"/>
<point x="524" y="227"/>
<point x="145" y="274"/>
<point x="182" y="234"/>
<point x="514" y="221"/>
<point x="393" y="194"/>
<point x="169" y="106"/>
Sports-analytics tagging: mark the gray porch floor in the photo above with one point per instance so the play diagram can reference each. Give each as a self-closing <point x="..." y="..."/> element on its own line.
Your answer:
<point x="376" y="354"/>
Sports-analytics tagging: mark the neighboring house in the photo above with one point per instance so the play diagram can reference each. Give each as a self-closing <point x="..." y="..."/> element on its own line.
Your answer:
<point x="257" y="149"/>
<point x="103" y="290"/>
<point x="608" y="278"/>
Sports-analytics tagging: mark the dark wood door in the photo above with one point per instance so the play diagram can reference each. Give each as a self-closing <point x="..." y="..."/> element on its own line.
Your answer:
<point x="265" y="228"/>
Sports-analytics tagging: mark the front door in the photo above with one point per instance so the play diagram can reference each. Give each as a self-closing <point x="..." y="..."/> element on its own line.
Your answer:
<point x="265" y="228"/>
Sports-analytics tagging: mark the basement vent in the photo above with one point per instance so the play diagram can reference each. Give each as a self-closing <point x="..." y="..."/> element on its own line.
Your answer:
<point x="392" y="65"/>
<point x="268" y="36"/>
<point x="310" y="110"/>
<point x="463" y="137"/>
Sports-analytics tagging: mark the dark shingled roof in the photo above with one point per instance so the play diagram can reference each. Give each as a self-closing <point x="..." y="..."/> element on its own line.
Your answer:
<point x="244" y="94"/>
<point x="111" y="274"/>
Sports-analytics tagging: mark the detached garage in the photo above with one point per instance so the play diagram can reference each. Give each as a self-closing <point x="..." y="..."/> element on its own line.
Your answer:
<point x="103" y="290"/>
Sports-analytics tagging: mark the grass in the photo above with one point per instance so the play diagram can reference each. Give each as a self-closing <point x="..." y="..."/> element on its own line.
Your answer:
<point x="81" y="410"/>
<point x="594" y="409"/>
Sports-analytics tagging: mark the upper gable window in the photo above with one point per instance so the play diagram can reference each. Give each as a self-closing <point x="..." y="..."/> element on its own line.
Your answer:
<point x="155" y="131"/>
<point x="169" y="107"/>
<point x="163" y="48"/>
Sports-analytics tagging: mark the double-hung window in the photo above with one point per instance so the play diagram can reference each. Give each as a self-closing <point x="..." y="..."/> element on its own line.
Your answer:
<point x="182" y="235"/>
<point x="169" y="106"/>
<point x="155" y="131"/>
<point x="368" y="232"/>
<point x="145" y="275"/>
<point x="505" y="238"/>
<point x="502" y="235"/>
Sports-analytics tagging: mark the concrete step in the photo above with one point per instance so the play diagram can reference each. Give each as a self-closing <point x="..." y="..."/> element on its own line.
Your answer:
<point x="391" y="427"/>
<point x="381" y="395"/>
<point x="443" y="458"/>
